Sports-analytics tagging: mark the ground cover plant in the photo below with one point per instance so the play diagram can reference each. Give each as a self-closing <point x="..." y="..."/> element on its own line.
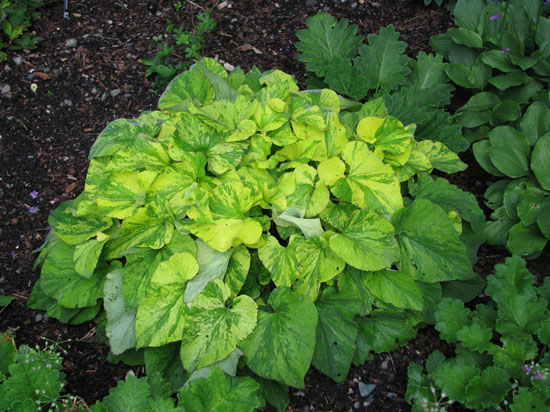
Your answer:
<point x="501" y="360"/>
<point x="32" y="379"/>
<point x="246" y="220"/>
<point x="16" y="19"/>
<point x="85" y="360"/>
<point x="177" y="48"/>
<point x="500" y="51"/>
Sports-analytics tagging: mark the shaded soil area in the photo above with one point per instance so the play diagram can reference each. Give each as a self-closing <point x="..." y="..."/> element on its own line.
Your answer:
<point x="87" y="72"/>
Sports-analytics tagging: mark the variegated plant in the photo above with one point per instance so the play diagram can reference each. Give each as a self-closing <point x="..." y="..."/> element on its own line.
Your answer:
<point x="247" y="219"/>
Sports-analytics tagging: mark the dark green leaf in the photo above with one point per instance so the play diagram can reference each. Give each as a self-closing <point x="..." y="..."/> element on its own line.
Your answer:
<point x="525" y="240"/>
<point x="451" y="316"/>
<point x="506" y="111"/>
<point x="453" y="376"/>
<point x="535" y="122"/>
<point x="383" y="62"/>
<point x="540" y="161"/>
<point x="489" y="389"/>
<point x="324" y="38"/>
<point x="466" y="37"/>
<point x="430" y="247"/>
<point x="467" y="13"/>
<point x="481" y="101"/>
<point x="336" y="333"/>
<point x="344" y="78"/>
<point x="530" y="203"/>
<point x="449" y="197"/>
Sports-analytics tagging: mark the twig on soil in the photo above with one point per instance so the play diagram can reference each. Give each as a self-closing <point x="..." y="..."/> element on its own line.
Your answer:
<point x="88" y="335"/>
<point x="195" y="4"/>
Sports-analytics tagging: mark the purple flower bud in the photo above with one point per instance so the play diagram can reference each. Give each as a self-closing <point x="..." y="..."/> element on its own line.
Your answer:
<point x="539" y="376"/>
<point x="547" y="1"/>
<point x="505" y="49"/>
<point x="526" y="369"/>
<point x="12" y="254"/>
<point x="33" y="210"/>
<point x="495" y="17"/>
<point x="33" y="194"/>
<point x="534" y="19"/>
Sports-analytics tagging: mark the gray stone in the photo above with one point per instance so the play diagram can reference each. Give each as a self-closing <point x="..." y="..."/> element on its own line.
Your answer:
<point x="17" y="60"/>
<point x="38" y="318"/>
<point x="365" y="390"/>
<point x="68" y="102"/>
<point x="384" y="365"/>
<point x="115" y="92"/>
<point x="71" y="43"/>
<point x="7" y="68"/>
<point x="6" y="89"/>
<point x="356" y="405"/>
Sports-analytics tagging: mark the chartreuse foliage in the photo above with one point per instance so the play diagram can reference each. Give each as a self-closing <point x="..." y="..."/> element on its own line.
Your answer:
<point x="255" y="228"/>
<point x="502" y="360"/>
<point x="413" y="90"/>
<point x="500" y="51"/>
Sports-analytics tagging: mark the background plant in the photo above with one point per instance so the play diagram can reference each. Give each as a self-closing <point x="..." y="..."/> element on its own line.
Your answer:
<point x="32" y="380"/>
<point x="502" y="360"/>
<point x="177" y="48"/>
<point x="16" y="17"/>
<point x="254" y="227"/>
<point x="413" y="90"/>
<point x="501" y="52"/>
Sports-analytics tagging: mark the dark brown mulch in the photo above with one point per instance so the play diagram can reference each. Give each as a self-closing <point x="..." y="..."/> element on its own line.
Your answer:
<point x="46" y="136"/>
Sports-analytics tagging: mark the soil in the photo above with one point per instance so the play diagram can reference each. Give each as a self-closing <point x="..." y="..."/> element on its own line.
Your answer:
<point x="87" y="72"/>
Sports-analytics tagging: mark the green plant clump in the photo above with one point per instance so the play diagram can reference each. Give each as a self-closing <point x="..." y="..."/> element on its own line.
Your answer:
<point x="501" y="52"/>
<point x="16" y="18"/>
<point x="189" y="42"/>
<point x="257" y="228"/>
<point x="502" y="361"/>
<point x="31" y="380"/>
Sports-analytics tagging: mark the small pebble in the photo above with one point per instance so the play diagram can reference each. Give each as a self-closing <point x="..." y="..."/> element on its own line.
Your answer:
<point x="6" y="89"/>
<point x="17" y="60"/>
<point x="71" y="43"/>
<point x="115" y="92"/>
<point x="7" y="68"/>
<point x="356" y="405"/>
<point x="365" y="390"/>
<point x="311" y="3"/>
<point x="68" y="102"/>
<point x="384" y="365"/>
<point x="38" y="317"/>
<point x="353" y="5"/>
<point x="391" y="395"/>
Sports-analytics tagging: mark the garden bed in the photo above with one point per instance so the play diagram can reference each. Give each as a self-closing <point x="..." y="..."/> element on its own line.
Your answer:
<point x="87" y="73"/>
